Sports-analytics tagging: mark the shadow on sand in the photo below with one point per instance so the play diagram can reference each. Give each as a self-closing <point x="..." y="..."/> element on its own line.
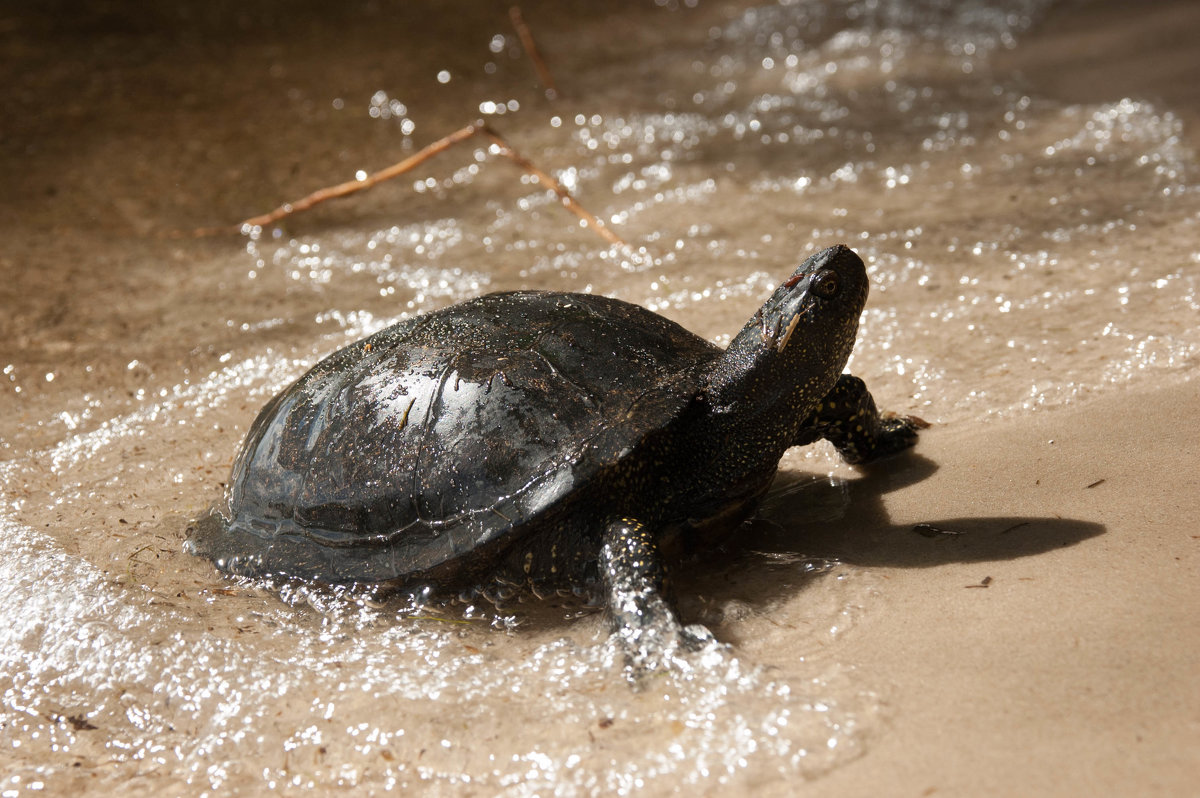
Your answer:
<point x="807" y="521"/>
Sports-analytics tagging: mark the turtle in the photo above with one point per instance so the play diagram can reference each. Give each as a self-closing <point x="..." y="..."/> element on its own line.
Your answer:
<point x="542" y="442"/>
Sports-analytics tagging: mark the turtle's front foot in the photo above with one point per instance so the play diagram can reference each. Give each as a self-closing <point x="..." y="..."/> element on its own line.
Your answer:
<point x="848" y="419"/>
<point x="643" y="622"/>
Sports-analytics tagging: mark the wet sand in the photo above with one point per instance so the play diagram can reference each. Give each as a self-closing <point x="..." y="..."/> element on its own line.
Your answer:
<point x="1034" y="635"/>
<point x="1103" y="51"/>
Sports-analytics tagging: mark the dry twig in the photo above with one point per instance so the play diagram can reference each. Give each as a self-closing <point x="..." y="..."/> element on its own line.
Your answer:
<point x="552" y="184"/>
<point x="518" y="21"/>
<point x="411" y="162"/>
<point x="354" y="186"/>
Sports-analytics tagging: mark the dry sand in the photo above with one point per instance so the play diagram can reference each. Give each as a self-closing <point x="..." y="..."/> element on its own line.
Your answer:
<point x="1073" y="672"/>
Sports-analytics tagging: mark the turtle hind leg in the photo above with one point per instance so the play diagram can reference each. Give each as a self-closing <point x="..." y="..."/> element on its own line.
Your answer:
<point x="847" y="418"/>
<point x="632" y="573"/>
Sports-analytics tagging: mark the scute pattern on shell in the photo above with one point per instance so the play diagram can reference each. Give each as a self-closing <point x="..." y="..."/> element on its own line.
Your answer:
<point x="444" y="433"/>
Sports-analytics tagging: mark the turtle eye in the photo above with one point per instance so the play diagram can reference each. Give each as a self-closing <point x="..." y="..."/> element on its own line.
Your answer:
<point x="825" y="284"/>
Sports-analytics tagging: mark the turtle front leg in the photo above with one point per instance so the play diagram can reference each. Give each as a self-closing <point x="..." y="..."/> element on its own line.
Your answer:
<point x="847" y="418"/>
<point x="632" y="572"/>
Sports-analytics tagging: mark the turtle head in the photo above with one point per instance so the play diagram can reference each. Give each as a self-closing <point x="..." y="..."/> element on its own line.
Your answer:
<point x="794" y="348"/>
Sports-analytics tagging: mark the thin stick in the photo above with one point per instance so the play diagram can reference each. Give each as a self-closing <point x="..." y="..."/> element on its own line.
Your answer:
<point x="552" y="184"/>
<point x="353" y="186"/>
<point x="518" y="21"/>
<point x="416" y="159"/>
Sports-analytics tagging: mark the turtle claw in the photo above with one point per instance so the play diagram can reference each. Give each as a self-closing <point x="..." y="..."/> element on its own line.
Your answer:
<point x="896" y="424"/>
<point x="696" y="637"/>
<point x="896" y="433"/>
<point x="663" y="648"/>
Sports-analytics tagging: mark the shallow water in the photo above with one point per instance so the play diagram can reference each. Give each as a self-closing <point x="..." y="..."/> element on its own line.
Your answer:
<point x="1024" y="253"/>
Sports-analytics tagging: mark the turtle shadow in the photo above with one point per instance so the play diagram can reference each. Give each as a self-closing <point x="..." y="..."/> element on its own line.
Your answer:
<point x="863" y="534"/>
<point x="808" y="522"/>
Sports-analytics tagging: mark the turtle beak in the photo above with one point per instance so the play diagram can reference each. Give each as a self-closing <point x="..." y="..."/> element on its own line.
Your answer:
<point x="782" y="340"/>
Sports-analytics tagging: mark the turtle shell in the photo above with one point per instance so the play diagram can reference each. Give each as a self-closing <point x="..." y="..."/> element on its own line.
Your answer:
<point x="448" y="436"/>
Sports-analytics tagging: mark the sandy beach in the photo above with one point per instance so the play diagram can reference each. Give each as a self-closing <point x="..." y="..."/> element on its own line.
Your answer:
<point x="1072" y="671"/>
<point x="1010" y="610"/>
